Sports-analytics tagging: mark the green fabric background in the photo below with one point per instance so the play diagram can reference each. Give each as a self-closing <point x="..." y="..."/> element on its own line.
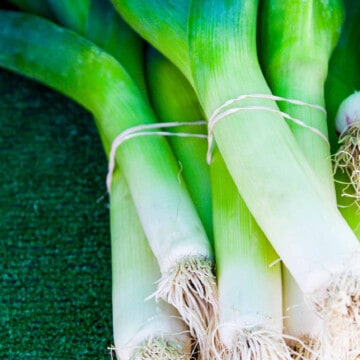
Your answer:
<point x="55" y="289"/>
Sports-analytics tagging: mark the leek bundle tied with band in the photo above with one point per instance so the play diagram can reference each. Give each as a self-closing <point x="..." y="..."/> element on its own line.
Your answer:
<point x="79" y="69"/>
<point x="271" y="172"/>
<point x="262" y="214"/>
<point x="293" y="208"/>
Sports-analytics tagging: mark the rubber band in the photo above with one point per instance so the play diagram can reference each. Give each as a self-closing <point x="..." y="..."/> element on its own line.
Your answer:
<point x="219" y="114"/>
<point x="141" y="130"/>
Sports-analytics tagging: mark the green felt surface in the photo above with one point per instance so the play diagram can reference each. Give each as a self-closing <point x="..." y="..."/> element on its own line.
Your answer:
<point x="55" y="274"/>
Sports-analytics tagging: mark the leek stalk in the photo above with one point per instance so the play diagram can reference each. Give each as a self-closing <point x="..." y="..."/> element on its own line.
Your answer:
<point x="143" y="328"/>
<point x="108" y="30"/>
<point x="250" y="321"/>
<point x="98" y="21"/>
<point x="290" y="27"/>
<point x="174" y="100"/>
<point x="221" y="32"/>
<point x="343" y="77"/>
<point x="305" y="198"/>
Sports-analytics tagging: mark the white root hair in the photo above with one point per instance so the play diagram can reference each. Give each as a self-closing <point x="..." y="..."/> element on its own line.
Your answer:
<point x="339" y="309"/>
<point x="253" y="343"/>
<point x="306" y="347"/>
<point x="190" y="287"/>
<point x="160" y="349"/>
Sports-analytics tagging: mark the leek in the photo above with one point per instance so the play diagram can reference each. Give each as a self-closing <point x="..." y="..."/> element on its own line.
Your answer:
<point x="283" y="193"/>
<point x="250" y="321"/>
<point x="79" y="69"/>
<point x="143" y="329"/>
<point x="98" y="21"/>
<point x="289" y="28"/>
<point x="305" y="198"/>
<point x="343" y="77"/>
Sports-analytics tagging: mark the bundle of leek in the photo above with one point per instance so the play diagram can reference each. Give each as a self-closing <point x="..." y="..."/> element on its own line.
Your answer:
<point x="293" y="208"/>
<point x="271" y="182"/>
<point x="79" y="69"/>
<point x="283" y="192"/>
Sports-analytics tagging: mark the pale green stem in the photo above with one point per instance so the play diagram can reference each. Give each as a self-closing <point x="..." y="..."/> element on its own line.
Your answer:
<point x="139" y="322"/>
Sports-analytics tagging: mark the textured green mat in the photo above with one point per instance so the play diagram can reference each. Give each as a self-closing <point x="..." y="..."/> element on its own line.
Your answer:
<point x="55" y="290"/>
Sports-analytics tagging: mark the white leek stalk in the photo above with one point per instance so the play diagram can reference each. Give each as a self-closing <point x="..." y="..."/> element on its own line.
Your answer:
<point x="249" y="278"/>
<point x="143" y="328"/>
